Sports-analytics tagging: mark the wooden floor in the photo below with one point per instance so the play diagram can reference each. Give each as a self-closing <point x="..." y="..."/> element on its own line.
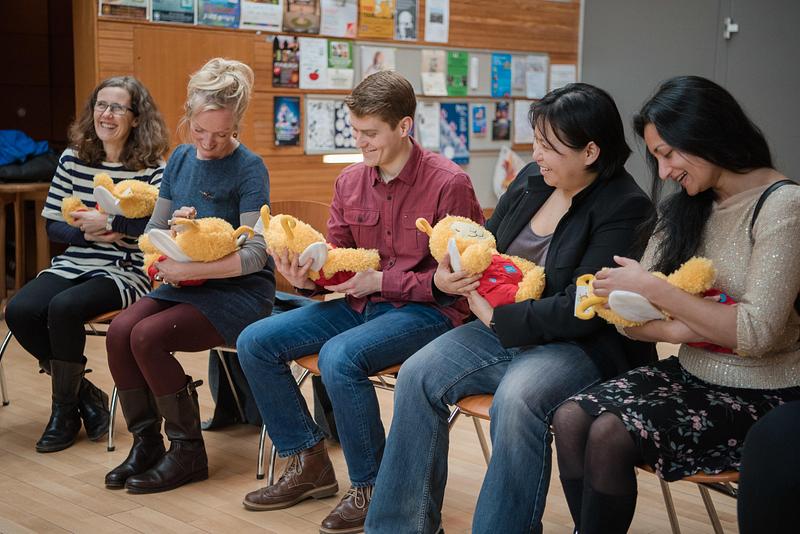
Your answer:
<point x="64" y="492"/>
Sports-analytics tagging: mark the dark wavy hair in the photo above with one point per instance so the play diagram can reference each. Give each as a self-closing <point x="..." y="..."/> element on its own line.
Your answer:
<point x="697" y="117"/>
<point x="147" y="142"/>
<point x="579" y="113"/>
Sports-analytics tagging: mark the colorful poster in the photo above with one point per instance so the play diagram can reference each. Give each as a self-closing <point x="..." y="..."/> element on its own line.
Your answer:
<point x="454" y="132"/>
<point x="437" y="20"/>
<point x="130" y="9"/>
<point x="313" y="63"/>
<point x="501" y="75"/>
<point x="434" y="80"/>
<point x="181" y="11"/>
<point x="339" y="18"/>
<point x="523" y="133"/>
<point x="222" y="13"/>
<point x="426" y="125"/>
<point x="287" y="120"/>
<point x="375" y="59"/>
<point x="319" y="125"/>
<point x="505" y="170"/>
<point x="342" y="130"/>
<point x="285" y="61"/>
<point x="340" y="65"/>
<point x="501" y="125"/>
<point x="536" y="76"/>
<point x="405" y="20"/>
<point x="264" y="15"/>
<point x="301" y="16"/>
<point x="376" y="19"/>
<point x="479" y="120"/>
<point x="457" y="73"/>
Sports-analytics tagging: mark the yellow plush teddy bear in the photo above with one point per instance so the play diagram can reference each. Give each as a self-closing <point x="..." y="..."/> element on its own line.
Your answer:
<point x="129" y="198"/>
<point x="329" y="265"/>
<point x="206" y="239"/>
<point x="627" y="309"/>
<point x="505" y="279"/>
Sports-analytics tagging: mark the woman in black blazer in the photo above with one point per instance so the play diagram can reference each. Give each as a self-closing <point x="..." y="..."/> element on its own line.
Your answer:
<point x="571" y="211"/>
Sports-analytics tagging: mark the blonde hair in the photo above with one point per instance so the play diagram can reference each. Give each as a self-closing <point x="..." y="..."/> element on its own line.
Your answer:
<point x="219" y="84"/>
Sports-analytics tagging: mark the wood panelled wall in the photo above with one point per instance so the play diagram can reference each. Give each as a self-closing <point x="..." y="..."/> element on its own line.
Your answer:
<point x="164" y="55"/>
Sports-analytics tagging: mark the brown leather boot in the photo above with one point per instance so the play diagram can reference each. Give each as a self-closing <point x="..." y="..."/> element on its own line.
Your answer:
<point x="350" y="514"/>
<point x="186" y="459"/>
<point x="309" y="474"/>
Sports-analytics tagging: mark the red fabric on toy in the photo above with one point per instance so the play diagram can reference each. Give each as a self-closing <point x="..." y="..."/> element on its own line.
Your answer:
<point x="338" y="278"/>
<point x="499" y="282"/>
<point x="724" y="299"/>
<point x="152" y="271"/>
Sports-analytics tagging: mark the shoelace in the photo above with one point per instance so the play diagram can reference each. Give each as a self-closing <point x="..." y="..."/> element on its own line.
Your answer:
<point x="361" y="496"/>
<point x="294" y="467"/>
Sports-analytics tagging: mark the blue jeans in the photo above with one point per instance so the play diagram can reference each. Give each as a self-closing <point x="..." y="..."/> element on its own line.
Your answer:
<point x="351" y="347"/>
<point x="528" y="384"/>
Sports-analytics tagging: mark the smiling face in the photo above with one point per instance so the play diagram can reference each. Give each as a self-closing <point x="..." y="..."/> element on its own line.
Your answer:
<point x="561" y="166"/>
<point x="381" y="145"/>
<point x="692" y="173"/>
<point x="113" y="130"/>
<point x="213" y="133"/>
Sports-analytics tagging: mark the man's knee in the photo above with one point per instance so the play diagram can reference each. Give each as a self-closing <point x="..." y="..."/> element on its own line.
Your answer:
<point x="253" y="345"/>
<point x="339" y="361"/>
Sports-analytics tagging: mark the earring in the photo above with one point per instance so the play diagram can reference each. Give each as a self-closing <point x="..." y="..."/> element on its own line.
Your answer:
<point x="235" y="135"/>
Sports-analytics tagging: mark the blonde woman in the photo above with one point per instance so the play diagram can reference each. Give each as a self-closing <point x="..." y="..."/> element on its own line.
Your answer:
<point x="213" y="176"/>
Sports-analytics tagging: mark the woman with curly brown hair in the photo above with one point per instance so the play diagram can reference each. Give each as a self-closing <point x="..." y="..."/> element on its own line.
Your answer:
<point x="121" y="133"/>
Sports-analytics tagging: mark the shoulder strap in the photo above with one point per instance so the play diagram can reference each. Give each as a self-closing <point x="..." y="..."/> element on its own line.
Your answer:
<point x="767" y="192"/>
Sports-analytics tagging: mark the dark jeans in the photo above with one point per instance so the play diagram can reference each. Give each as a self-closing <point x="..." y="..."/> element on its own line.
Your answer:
<point x="47" y="315"/>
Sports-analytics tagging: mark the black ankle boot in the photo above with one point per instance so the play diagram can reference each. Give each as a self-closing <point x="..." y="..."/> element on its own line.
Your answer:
<point x="144" y="423"/>
<point x="186" y="459"/>
<point x="65" y="419"/>
<point x="573" y="492"/>
<point x="93" y="406"/>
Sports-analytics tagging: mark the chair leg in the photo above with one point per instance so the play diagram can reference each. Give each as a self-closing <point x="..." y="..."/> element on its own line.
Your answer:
<point x="3" y="386"/>
<point x="487" y="453"/>
<point x="221" y="355"/>
<point x="112" y="416"/>
<point x="670" y="506"/>
<point x="712" y="511"/>
<point x="273" y="458"/>
<point x="451" y="419"/>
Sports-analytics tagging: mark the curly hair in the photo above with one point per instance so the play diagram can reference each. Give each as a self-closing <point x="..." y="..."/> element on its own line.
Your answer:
<point x="220" y="84"/>
<point x="148" y="141"/>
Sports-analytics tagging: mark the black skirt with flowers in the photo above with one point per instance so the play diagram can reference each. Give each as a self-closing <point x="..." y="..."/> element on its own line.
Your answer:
<point x="681" y="424"/>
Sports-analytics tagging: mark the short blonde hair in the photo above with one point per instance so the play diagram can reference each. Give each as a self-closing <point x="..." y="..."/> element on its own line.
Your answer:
<point x="219" y="84"/>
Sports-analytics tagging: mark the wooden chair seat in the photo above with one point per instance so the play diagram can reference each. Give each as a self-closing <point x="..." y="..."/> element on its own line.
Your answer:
<point x="476" y="406"/>
<point x="311" y="363"/>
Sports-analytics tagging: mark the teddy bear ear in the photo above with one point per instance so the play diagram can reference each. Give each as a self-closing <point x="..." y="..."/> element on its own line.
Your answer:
<point x="424" y="226"/>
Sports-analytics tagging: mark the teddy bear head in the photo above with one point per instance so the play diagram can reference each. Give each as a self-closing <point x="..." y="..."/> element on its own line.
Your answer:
<point x="284" y="231"/>
<point x="475" y="244"/>
<point x="130" y="198"/>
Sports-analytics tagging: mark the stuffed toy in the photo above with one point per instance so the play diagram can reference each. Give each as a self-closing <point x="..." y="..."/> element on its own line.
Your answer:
<point x="505" y="279"/>
<point x="329" y="265"/>
<point x="129" y="198"/>
<point x="207" y="239"/>
<point x="626" y="308"/>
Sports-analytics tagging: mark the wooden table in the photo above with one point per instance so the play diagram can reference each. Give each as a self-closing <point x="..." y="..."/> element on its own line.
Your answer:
<point x="16" y="195"/>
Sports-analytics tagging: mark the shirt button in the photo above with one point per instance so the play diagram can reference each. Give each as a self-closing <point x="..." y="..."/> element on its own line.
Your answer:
<point x="389" y="197"/>
<point x="388" y="232"/>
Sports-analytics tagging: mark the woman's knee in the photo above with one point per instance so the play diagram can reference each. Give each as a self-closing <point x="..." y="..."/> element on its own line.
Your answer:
<point x="567" y="416"/>
<point x="21" y="312"/>
<point x="608" y="432"/>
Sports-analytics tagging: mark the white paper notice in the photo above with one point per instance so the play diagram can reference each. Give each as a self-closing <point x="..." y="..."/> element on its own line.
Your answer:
<point x="518" y="66"/>
<point x="313" y="63"/>
<point x="426" y="126"/>
<point x="437" y="20"/>
<point x="320" y="121"/>
<point x="474" y="70"/>
<point x="261" y="15"/>
<point x="339" y="18"/>
<point x="523" y="133"/>
<point x="561" y="75"/>
<point x="536" y="76"/>
<point x="434" y="65"/>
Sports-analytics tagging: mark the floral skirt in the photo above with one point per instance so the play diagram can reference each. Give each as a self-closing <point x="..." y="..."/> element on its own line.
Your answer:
<point x="681" y="424"/>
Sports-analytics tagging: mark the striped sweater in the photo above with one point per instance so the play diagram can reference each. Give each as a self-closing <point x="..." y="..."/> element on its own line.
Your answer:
<point x="121" y="262"/>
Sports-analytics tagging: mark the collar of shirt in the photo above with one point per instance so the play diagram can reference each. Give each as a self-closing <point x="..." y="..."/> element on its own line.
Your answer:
<point x="409" y="173"/>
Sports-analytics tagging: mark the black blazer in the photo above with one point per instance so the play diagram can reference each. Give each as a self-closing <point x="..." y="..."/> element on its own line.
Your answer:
<point x="600" y="223"/>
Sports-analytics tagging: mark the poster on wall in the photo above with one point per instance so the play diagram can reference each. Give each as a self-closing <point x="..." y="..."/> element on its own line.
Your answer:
<point x="426" y="125"/>
<point x="536" y="76"/>
<point x="340" y="65"/>
<point x="561" y="75"/>
<point x="457" y="72"/>
<point x="339" y="18"/>
<point x="264" y="15"/>
<point x="220" y="13"/>
<point x="501" y="124"/>
<point x="319" y="125"/>
<point x="501" y="75"/>
<point x="287" y="120"/>
<point x="376" y="19"/>
<point x="454" y="132"/>
<point x="301" y="16"/>
<point x="405" y="20"/>
<point x="434" y="79"/>
<point x="129" y="9"/>
<point x="313" y="63"/>
<point x="479" y="120"/>
<point x="342" y="130"/>
<point x="180" y="11"/>
<point x="523" y="133"/>
<point x="437" y="20"/>
<point x="505" y="170"/>
<point x="375" y="59"/>
<point x="285" y="61"/>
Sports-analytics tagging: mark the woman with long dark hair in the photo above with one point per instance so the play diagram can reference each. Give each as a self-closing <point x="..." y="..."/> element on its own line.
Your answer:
<point x="689" y="414"/>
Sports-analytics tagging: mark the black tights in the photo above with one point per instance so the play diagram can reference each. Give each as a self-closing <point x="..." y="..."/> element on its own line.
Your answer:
<point x="47" y="315"/>
<point x="596" y="460"/>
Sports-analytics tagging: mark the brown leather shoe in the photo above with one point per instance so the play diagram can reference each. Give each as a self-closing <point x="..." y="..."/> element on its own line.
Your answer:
<point x="349" y="515"/>
<point x="309" y="475"/>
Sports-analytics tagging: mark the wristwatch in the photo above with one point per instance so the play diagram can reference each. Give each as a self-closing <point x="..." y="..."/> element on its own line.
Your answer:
<point x="109" y="220"/>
